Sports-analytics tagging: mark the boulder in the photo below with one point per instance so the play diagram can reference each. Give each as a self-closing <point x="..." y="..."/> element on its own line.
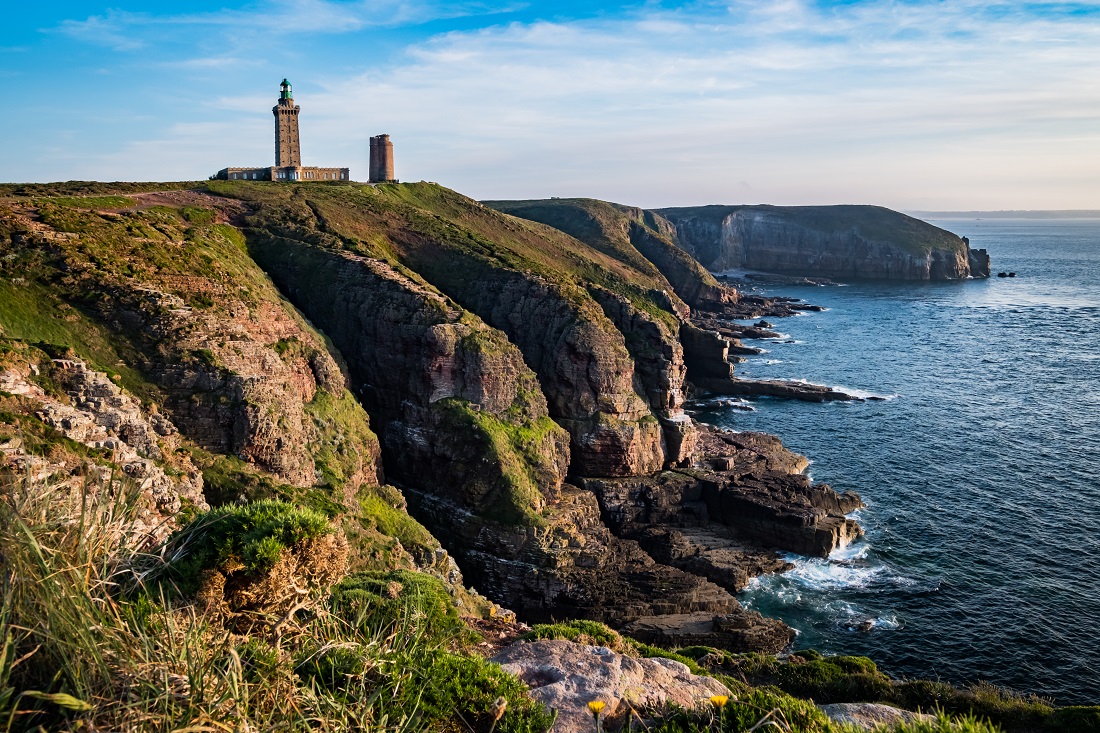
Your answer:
<point x="566" y="676"/>
<point x="870" y="715"/>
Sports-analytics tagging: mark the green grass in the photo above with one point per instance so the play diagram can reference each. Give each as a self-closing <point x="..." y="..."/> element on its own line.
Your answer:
<point x="344" y="446"/>
<point x="252" y="535"/>
<point x="581" y="631"/>
<point x="32" y="313"/>
<point x="511" y="495"/>
<point x="75" y="654"/>
<point x="91" y="188"/>
<point x="379" y="509"/>
<point x="378" y="600"/>
<point x="833" y="679"/>
<point x="91" y="202"/>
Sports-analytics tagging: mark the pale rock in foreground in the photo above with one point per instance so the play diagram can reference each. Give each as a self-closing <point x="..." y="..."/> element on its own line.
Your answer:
<point x="870" y="715"/>
<point x="566" y="676"/>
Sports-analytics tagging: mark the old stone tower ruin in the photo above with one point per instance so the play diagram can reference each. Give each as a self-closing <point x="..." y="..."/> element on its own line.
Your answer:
<point x="288" y="152"/>
<point x="381" y="160"/>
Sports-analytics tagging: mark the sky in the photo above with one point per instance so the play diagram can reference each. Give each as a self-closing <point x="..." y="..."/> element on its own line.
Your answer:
<point x="948" y="105"/>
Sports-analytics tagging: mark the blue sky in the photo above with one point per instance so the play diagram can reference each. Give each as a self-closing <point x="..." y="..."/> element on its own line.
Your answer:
<point x="959" y="104"/>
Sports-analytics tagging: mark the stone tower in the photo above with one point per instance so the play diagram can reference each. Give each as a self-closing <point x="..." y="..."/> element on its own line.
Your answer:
<point x="381" y="159"/>
<point x="287" y="150"/>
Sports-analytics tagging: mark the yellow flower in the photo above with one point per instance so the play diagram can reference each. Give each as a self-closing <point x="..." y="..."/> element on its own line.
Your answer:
<point x="719" y="701"/>
<point x="596" y="706"/>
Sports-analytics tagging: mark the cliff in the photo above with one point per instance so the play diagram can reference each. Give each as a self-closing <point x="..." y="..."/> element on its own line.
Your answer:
<point x="839" y="242"/>
<point x="219" y="372"/>
<point x="525" y="384"/>
<point x="628" y="232"/>
<point x="143" y="351"/>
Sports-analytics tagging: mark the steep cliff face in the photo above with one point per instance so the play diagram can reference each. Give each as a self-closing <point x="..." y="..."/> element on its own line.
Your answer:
<point x="532" y="283"/>
<point x="167" y="297"/>
<point x="830" y="241"/>
<point x="461" y="411"/>
<point x="527" y="386"/>
<point x="100" y="443"/>
<point x="148" y="355"/>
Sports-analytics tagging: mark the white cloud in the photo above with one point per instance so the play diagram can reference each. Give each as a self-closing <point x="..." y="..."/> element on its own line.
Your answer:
<point x="877" y="100"/>
<point x="955" y="104"/>
<point x="127" y="31"/>
<point x="109" y="30"/>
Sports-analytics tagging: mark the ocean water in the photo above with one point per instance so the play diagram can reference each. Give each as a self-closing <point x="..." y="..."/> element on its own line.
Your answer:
<point x="981" y="472"/>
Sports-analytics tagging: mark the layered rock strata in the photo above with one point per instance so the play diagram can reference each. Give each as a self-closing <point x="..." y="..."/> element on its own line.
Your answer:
<point x="461" y="411"/>
<point x="745" y="488"/>
<point x="94" y="412"/>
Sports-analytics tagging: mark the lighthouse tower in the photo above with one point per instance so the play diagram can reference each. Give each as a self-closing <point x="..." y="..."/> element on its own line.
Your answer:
<point x="288" y="153"/>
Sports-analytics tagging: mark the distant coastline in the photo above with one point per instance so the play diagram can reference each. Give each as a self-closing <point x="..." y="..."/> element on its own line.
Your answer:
<point x="1009" y="214"/>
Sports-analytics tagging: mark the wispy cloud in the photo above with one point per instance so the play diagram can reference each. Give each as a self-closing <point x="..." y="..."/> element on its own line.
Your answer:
<point x="799" y="100"/>
<point x="111" y="30"/>
<point x="957" y="103"/>
<point x="127" y="31"/>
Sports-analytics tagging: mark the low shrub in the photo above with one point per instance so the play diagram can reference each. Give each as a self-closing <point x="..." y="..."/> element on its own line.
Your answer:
<point x="454" y="693"/>
<point x="650" y="652"/>
<point x="1003" y="707"/>
<point x="1075" y="719"/>
<point x="742" y="713"/>
<point x="945" y="724"/>
<point x="592" y="633"/>
<point x="414" y="602"/>
<point x="248" y="539"/>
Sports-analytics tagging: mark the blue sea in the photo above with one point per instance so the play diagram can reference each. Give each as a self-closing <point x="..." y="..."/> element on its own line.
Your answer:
<point x="981" y="471"/>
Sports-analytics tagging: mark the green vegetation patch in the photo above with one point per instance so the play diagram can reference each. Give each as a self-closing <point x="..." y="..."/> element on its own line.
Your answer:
<point x="344" y="447"/>
<point x="91" y="202"/>
<point x="413" y="602"/>
<point x="252" y="535"/>
<point x="382" y="508"/>
<point x="740" y="714"/>
<point x="582" y="631"/>
<point x="512" y="495"/>
<point x="92" y="188"/>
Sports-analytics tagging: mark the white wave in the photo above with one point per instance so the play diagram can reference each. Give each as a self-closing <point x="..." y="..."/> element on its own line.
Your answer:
<point x="769" y="362"/>
<point x="743" y="405"/>
<point x="842" y="570"/>
<point x="865" y="395"/>
<point x="860" y="393"/>
<point x="850" y="617"/>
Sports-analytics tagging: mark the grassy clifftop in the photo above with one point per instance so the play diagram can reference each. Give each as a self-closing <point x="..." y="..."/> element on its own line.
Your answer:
<point x="643" y="239"/>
